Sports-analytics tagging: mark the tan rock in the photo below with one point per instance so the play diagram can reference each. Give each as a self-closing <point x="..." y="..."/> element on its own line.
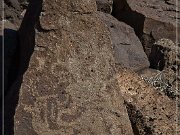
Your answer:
<point x="150" y="111"/>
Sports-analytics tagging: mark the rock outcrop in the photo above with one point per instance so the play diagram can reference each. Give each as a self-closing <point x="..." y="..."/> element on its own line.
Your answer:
<point x="152" y="20"/>
<point x="69" y="69"/>
<point x="13" y="10"/>
<point x="128" y="50"/>
<point x="150" y="111"/>
<point x="165" y="57"/>
<point x="164" y="54"/>
<point x="70" y="86"/>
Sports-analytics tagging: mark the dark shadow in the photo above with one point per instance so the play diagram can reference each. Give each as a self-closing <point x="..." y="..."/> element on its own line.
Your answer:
<point x="19" y="62"/>
<point x="156" y="58"/>
<point x="1" y="87"/>
<point x="124" y="13"/>
<point x="138" y="121"/>
<point x="9" y="49"/>
<point x="10" y="58"/>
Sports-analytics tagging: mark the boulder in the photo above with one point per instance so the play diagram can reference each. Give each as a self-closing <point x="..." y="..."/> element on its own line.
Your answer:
<point x="70" y="86"/>
<point x="152" y="20"/>
<point x="151" y="112"/>
<point x="165" y="56"/>
<point x="104" y="5"/>
<point x="128" y="50"/>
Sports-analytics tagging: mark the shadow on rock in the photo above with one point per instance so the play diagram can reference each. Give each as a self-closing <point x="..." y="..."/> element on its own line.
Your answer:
<point x="19" y="47"/>
<point x="10" y="62"/>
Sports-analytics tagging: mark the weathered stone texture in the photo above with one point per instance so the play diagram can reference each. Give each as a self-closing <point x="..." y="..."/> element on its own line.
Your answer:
<point x="151" y="19"/>
<point x="104" y="5"/>
<point x="70" y="86"/>
<point x="150" y="111"/>
<point x="128" y="50"/>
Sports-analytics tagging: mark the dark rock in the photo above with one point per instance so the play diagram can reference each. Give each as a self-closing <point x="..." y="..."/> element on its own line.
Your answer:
<point x="164" y="57"/>
<point x="163" y="54"/>
<point x="13" y="10"/>
<point x="13" y="3"/>
<point x="70" y="85"/>
<point x="19" y="66"/>
<point x="104" y="6"/>
<point x="168" y="51"/>
<point x="128" y="50"/>
<point x="156" y="19"/>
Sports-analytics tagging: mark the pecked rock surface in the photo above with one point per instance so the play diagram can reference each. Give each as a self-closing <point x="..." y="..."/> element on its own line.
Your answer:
<point x="151" y="19"/>
<point x="128" y="50"/>
<point x="150" y="111"/>
<point x="70" y="86"/>
<point x="15" y="9"/>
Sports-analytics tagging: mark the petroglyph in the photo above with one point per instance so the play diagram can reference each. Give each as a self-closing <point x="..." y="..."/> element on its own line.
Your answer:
<point x="74" y="89"/>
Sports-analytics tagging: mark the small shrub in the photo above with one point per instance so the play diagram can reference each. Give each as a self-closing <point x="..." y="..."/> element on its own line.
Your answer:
<point x="160" y="83"/>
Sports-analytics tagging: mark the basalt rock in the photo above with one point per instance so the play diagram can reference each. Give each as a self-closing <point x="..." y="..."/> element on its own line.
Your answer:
<point x="13" y="10"/>
<point x="152" y="20"/>
<point x="165" y="56"/>
<point x="151" y="111"/>
<point x="70" y="86"/>
<point x="128" y="50"/>
<point x="104" y="5"/>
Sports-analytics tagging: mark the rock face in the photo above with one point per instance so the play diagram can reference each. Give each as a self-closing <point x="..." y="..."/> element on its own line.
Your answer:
<point x="152" y="20"/>
<point x="104" y="5"/>
<point x="150" y="111"/>
<point x="128" y="50"/>
<point x="70" y="85"/>
<point x="13" y="10"/>
<point x="165" y="56"/>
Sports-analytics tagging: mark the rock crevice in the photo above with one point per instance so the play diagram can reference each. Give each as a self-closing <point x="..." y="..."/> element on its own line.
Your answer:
<point x="151" y="20"/>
